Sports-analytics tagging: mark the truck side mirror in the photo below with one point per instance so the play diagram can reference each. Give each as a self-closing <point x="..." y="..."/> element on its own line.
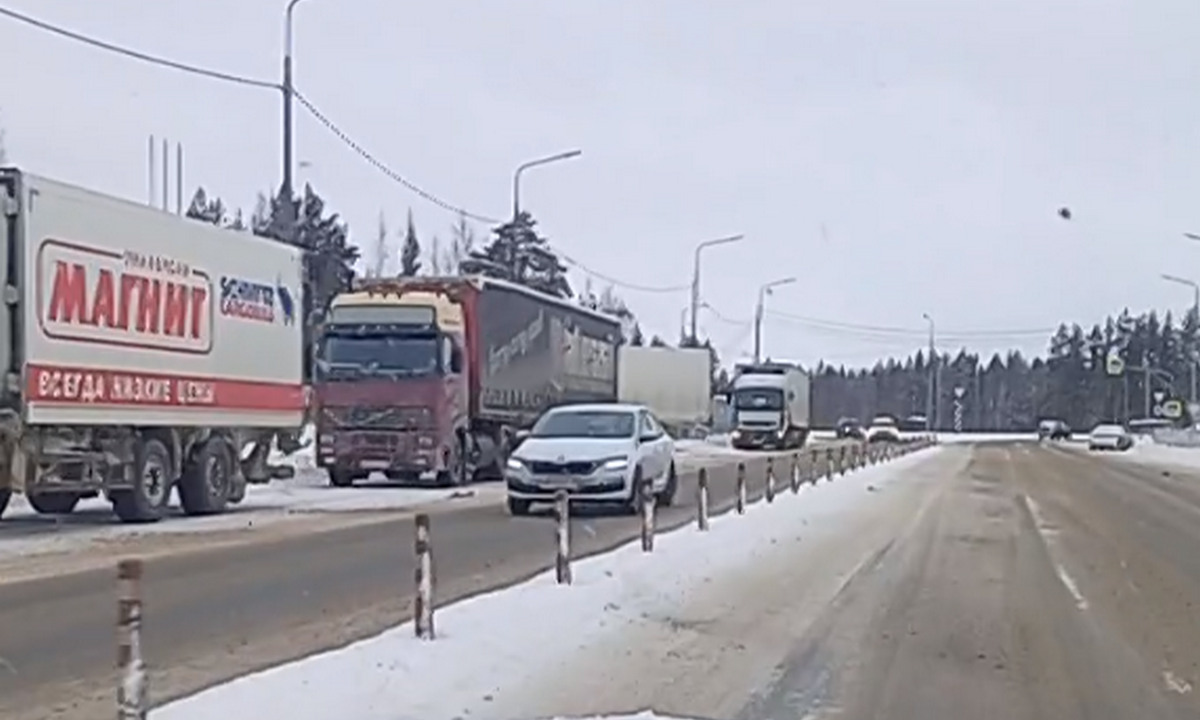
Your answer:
<point x="456" y="360"/>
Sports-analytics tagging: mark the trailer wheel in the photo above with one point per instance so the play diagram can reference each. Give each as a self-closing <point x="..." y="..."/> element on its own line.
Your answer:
<point x="5" y="494"/>
<point x="147" y="500"/>
<point x="341" y="478"/>
<point x="204" y="487"/>
<point x="54" y="503"/>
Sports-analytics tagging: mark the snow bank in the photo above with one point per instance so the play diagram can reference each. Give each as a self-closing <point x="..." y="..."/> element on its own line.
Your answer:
<point x="510" y="638"/>
<point x="950" y="437"/>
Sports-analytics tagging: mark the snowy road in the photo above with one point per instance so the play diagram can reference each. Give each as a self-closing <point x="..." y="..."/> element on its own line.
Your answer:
<point x="239" y="606"/>
<point x="995" y="581"/>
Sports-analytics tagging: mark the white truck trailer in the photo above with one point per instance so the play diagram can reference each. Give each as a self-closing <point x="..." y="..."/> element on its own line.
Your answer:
<point x="142" y="352"/>
<point x="771" y="406"/>
<point x="675" y="383"/>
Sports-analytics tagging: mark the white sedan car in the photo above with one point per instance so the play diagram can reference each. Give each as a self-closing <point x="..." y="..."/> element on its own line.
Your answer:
<point x="597" y="453"/>
<point x="1110" y="437"/>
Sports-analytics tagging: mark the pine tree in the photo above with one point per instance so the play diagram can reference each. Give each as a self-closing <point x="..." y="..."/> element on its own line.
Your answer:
<point x="519" y="254"/>
<point x="410" y="251"/>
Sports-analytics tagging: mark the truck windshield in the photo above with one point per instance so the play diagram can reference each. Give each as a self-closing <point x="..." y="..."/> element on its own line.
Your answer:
<point x="584" y="424"/>
<point x="758" y="399"/>
<point x="372" y="355"/>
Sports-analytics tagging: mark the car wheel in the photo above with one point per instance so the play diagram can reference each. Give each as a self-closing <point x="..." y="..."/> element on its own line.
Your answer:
<point x="633" y="506"/>
<point x="518" y="507"/>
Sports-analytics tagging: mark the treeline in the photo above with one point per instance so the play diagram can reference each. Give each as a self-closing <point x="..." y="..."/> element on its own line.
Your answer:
<point x="1122" y="369"/>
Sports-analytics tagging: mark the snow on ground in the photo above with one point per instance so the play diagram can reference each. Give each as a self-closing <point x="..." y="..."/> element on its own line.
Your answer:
<point x="487" y="645"/>
<point x="951" y="437"/>
<point x="1149" y="452"/>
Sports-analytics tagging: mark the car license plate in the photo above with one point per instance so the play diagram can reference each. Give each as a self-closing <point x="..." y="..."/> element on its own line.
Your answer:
<point x="561" y="483"/>
<point x="374" y="464"/>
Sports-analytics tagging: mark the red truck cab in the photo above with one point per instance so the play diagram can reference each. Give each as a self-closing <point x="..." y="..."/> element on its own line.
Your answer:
<point x="391" y="384"/>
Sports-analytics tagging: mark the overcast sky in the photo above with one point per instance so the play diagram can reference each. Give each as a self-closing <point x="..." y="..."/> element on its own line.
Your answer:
<point x="899" y="157"/>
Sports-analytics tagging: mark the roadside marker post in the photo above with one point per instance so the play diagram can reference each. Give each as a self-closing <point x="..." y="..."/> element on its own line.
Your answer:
<point x="562" y="531"/>
<point x="702" y="499"/>
<point x="741" y="488"/>
<point x="647" y="494"/>
<point x="132" y="691"/>
<point x="828" y="464"/>
<point x="423" y="577"/>
<point x="794" y="480"/>
<point x="770" y="491"/>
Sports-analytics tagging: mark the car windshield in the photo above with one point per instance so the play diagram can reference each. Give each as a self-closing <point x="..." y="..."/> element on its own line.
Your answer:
<point x="584" y="424"/>
<point x="381" y="354"/>
<point x="758" y="399"/>
<point x="884" y="422"/>
<point x="1108" y="430"/>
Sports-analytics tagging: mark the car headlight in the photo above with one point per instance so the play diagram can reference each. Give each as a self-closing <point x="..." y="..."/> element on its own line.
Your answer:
<point x="515" y="464"/>
<point x="616" y="464"/>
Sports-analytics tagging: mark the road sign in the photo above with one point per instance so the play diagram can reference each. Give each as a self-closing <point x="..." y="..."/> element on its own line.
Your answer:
<point x="1159" y="396"/>
<point x="1114" y="364"/>
<point x="1172" y="409"/>
<point x="960" y="391"/>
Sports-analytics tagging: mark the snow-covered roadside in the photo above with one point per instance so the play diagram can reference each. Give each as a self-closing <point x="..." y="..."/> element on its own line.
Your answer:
<point x="1148" y="452"/>
<point x="951" y="437"/>
<point x="495" y="645"/>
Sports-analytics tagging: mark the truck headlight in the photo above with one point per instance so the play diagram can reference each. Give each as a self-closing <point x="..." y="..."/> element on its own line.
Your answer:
<point x="616" y="464"/>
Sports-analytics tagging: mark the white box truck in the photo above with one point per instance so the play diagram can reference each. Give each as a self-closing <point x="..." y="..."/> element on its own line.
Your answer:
<point x="771" y="406"/>
<point x="142" y="353"/>
<point x="675" y="383"/>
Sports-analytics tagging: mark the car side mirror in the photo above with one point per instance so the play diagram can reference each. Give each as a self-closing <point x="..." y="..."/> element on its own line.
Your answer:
<point x="520" y="436"/>
<point x="647" y="437"/>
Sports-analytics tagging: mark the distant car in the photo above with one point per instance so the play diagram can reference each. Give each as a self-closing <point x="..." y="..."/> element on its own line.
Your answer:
<point x="1053" y="430"/>
<point x="850" y="429"/>
<point x="1110" y="437"/>
<point x="883" y="429"/>
<point x="597" y="453"/>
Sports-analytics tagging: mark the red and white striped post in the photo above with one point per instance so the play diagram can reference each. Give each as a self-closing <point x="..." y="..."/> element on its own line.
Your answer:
<point x="423" y="577"/>
<point x="562" y="532"/>
<point x="770" y="491"/>
<point x="646" y="488"/>
<point x="741" y="489"/>
<point x="132" y="691"/>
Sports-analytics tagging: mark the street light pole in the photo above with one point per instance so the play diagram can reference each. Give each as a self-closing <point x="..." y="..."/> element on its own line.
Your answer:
<point x="1196" y="312"/>
<point x="696" y="274"/>
<point x="288" y="91"/>
<point x="534" y="163"/>
<point x="763" y="291"/>
<point x="929" y="403"/>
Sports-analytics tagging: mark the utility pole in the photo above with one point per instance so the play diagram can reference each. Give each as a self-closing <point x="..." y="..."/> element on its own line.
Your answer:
<point x="763" y="291"/>
<point x="696" y="275"/>
<point x="929" y="396"/>
<point x="288" y="92"/>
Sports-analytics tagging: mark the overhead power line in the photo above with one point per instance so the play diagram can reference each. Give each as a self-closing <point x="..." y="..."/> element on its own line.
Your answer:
<point x="136" y="54"/>
<point x="384" y="168"/>
<point x="321" y="118"/>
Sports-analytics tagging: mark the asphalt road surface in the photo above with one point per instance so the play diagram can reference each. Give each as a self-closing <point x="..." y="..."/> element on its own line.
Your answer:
<point x="1030" y="583"/>
<point x="213" y="615"/>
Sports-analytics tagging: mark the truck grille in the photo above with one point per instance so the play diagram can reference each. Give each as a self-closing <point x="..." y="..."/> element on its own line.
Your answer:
<point x="565" y="468"/>
<point x="381" y="418"/>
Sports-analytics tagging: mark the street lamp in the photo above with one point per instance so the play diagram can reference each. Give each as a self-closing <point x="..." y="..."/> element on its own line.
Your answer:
<point x="1196" y="311"/>
<point x="763" y="292"/>
<point x="288" y="92"/>
<point x="533" y="163"/>
<point x="930" y="407"/>
<point x="696" y="274"/>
